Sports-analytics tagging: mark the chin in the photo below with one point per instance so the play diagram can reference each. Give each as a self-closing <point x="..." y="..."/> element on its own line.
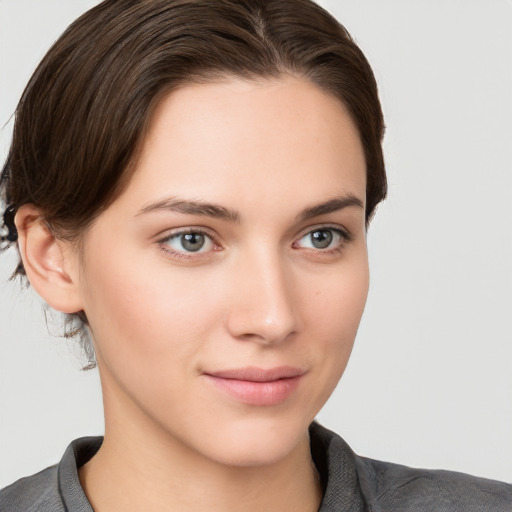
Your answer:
<point x="260" y="442"/>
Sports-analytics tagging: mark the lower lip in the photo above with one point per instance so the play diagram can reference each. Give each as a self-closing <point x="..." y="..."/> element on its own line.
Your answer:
<point x="257" y="393"/>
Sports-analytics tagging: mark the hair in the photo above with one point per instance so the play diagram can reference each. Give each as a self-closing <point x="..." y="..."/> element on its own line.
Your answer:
<point x="83" y="114"/>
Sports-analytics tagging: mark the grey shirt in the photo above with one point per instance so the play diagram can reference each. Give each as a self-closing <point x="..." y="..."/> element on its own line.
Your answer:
<point x="350" y="483"/>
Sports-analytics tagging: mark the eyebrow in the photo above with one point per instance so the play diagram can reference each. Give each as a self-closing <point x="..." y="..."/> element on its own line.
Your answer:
<point x="330" y="206"/>
<point x="221" y="212"/>
<point x="193" y="208"/>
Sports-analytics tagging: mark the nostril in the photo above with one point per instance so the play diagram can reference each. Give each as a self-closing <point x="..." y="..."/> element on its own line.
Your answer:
<point x="251" y="324"/>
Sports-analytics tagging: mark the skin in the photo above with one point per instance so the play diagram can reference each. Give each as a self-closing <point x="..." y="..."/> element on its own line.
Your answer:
<point x="259" y="293"/>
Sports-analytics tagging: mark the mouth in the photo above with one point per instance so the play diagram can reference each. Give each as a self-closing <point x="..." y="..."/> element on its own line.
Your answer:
<point x="257" y="386"/>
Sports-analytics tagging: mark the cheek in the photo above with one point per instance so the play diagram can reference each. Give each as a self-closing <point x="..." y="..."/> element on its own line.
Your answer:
<point x="334" y="314"/>
<point x="146" y="313"/>
<point x="339" y="298"/>
<point x="150" y="330"/>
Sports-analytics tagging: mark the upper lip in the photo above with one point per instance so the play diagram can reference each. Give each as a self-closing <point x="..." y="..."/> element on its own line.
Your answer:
<point x="255" y="374"/>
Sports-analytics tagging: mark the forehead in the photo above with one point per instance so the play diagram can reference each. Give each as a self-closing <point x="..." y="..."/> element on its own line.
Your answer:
<point x="239" y="139"/>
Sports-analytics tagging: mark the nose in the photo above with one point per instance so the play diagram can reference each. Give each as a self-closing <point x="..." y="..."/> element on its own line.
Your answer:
<point x="264" y="306"/>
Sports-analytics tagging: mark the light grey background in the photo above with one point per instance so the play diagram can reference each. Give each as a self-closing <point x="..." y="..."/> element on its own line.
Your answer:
<point x="430" y="380"/>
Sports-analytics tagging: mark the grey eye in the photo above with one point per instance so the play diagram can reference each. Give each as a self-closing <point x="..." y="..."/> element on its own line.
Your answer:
<point x="192" y="241"/>
<point x="321" y="238"/>
<point x="325" y="238"/>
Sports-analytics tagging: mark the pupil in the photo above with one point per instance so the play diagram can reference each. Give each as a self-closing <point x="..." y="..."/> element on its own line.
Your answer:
<point x="192" y="241"/>
<point x="321" y="239"/>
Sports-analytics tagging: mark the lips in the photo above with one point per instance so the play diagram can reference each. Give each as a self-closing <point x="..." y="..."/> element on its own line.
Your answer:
<point x="257" y="386"/>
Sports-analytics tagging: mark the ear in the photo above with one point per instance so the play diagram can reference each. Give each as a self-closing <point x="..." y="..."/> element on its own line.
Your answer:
<point x="51" y="264"/>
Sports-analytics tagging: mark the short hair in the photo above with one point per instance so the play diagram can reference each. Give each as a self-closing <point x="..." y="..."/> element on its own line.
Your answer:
<point x="83" y="115"/>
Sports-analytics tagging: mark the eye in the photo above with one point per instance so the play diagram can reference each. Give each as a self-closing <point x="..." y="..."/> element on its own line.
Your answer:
<point x="323" y="238"/>
<point x="188" y="242"/>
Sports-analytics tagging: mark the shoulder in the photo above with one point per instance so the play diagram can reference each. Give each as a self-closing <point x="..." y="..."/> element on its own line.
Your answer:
<point x="388" y="487"/>
<point x="36" y="493"/>
<point x="55" y="489"/>
<point x="394" y="487"/>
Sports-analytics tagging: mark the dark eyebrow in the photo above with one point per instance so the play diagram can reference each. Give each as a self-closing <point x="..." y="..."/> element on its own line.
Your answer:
<point x="193" y="208"/>
<point x="223" y="213"/>
<point x="332" y="205"/>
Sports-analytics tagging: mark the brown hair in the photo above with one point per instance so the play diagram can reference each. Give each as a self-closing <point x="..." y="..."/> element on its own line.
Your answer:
<point x="84" y="112"/>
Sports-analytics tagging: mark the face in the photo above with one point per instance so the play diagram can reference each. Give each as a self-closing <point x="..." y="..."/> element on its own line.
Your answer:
<point x="225" y="286"/>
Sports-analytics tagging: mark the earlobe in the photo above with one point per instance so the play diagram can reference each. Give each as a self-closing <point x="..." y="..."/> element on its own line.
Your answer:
<point x="50" y="263"/>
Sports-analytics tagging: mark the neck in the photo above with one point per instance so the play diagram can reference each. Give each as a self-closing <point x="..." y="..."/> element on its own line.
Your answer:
<point x="141" y="467"/>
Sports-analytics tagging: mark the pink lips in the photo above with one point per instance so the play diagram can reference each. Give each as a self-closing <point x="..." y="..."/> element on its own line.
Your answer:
<point x="256" y="386"/>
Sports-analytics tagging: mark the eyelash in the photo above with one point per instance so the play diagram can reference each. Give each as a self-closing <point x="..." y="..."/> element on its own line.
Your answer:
<point x="344" y="235"/>
<point x="163" y="243"/>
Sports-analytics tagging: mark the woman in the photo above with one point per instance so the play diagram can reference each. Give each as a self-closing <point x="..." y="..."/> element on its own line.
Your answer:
<point x="191" y="182"/>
